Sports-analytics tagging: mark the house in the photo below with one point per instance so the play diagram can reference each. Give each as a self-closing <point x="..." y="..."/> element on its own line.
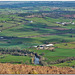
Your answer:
<point x="45" y="46"/>
<point x="41" y="46"/>
<point x="49" y="45"/>
<point x="25" y="54"/>
<point x="35" y="46"/>
<point x="73" y="23"/>
<point x="1" y="37"/>
<point x="31" y="21"/>
<point x="63" y="23"/>
<point x="58" y="22"/>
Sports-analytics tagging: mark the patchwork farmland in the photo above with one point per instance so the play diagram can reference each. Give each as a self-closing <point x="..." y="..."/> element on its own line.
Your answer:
<point x="44" y="34"/>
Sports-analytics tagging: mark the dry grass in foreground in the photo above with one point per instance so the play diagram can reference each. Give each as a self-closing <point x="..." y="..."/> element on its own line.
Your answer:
<point x="8" y="68"/>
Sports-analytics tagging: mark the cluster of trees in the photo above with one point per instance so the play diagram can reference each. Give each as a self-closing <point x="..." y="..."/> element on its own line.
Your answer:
<point x="21" y="52"/>
<point x="2" y="57"/>
<point x="1" y="25"/>
<point x="41" y="14"/>
<point x="15" y="51"/>
<point x="67" y="59"/>
<point x="53" y="14"/>
<point x="62" y="60"/>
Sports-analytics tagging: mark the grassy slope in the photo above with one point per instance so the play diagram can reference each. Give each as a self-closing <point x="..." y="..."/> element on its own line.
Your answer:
<point x="10" y="58"/>
<point x="66" y="45"/>
<point x="68" y="63"/>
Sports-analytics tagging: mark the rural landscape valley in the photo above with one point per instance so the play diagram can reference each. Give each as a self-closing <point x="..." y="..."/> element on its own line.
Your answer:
<point x="37" y="37"/>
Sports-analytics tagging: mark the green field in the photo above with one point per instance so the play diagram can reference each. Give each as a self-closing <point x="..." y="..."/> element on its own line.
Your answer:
<point x="68" y="64"/>
<point x="17" y="31"/>
<point x="59" y="53"/>
<point x="15" y="59"/>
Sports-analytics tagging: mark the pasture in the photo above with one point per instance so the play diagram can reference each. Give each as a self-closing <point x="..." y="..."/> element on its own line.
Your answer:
<point x="15" y="59"/>
<point x="18" y="32"/>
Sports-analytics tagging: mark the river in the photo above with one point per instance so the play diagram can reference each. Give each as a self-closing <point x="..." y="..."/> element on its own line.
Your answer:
<point x="36" y="60"/>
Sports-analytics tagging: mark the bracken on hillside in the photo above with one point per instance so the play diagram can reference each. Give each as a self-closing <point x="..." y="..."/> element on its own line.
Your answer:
<point x="8" y="68"/>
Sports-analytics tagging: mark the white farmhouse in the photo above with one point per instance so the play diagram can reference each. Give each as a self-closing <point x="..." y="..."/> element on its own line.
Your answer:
<point x="1" y="37"/>
<point x="49" y="45"/>
<point x="73" y="23"/>
<point x="35" y="46"/>
<point x="31" y="21"/>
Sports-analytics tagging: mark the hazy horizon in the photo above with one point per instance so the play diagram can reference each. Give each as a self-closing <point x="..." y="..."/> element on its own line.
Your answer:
<point x="37" y="0"/>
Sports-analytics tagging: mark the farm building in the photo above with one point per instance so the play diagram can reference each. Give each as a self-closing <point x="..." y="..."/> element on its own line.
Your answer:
<point x="35" y="46"/>
<point x="73" y="23"/>
<point x="31" y="21"/>
<point x="49" y="45"/>
<point x="1" y="37"/>
<point x="64" y="23"/>
<point x="45" y="46"/>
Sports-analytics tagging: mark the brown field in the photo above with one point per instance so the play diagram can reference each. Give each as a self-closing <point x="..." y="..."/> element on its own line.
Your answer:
<point x="57" y="28"/>
<point x="8" y="68"/>
<point x="68" y="16"/>
<point x="60" y="28"/>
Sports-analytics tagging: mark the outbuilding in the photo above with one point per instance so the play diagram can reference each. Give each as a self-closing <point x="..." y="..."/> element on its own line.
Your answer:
<point x="49" y="45"/>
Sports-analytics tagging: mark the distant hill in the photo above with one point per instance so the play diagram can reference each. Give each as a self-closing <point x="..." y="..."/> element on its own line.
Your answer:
<point x="18" y="4"/>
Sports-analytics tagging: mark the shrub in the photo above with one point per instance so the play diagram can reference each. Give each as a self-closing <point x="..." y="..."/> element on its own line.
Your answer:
<point x="33" y="72"/>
